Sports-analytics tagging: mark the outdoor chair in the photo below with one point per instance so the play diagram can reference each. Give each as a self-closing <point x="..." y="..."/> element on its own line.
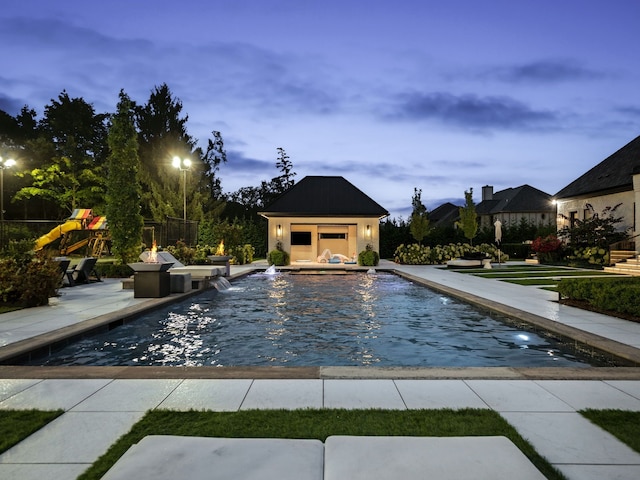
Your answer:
<point x="63" y="267"/>
<point x="83" y="271"/>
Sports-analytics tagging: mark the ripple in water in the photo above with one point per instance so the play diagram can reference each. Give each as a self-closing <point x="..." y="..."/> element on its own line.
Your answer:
<point x="315" y="320"/>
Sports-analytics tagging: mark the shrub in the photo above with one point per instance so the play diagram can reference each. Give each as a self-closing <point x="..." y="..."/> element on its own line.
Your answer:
<point x="547" y="249"/>
<point x="29" y="280"/>
<point x="368" y="257"/>
<point x="242" y="255"/>
<point x="113" y="270"/>
<point x="620" y="295"/>
<point x="589" y="255"/>
<point x="278" y="256"/>
<point x="415" y="254"/>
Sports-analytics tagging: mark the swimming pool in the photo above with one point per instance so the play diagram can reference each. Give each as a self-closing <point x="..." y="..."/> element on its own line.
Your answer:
<point x="318" y="320"/>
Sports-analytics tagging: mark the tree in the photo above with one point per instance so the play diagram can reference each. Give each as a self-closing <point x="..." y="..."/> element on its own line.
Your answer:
<point x="72" y="146"/>
<point x="162" y="135"/>
<point x="468" y="218"/>
<point x="123" y="187"/>
<point x="419" y="222"/>
<point x="285" y="181"/>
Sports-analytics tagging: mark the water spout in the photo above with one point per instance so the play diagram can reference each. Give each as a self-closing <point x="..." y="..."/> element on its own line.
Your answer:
<point x="271" y="270"/>
<point x="221" y="283"/>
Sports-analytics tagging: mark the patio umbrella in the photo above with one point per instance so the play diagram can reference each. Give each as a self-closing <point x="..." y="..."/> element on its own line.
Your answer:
<point x="498" y="225"/>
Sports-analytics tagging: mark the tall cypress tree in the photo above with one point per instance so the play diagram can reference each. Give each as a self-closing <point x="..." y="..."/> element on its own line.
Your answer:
<point x="419" y="225"/>
<point x="468" y="217"/>
<point x="123" y="186"/>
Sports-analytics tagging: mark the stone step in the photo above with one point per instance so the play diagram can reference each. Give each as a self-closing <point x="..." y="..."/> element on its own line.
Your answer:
<point x="623" y="270"/>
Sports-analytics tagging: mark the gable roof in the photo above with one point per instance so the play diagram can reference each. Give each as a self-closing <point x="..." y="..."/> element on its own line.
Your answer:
<point x="444" y="215"/>
<point x="324" y="196"/>
<point x="613" y="174"/>
<point x="524" y="198"/>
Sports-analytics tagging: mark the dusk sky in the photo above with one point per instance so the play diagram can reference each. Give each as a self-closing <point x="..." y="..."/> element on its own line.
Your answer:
<point x="393" y="95"/>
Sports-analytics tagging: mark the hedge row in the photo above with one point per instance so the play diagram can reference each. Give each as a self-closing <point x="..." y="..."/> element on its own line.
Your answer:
<point x="415" y="254"/>
<point x="620" y="295"/>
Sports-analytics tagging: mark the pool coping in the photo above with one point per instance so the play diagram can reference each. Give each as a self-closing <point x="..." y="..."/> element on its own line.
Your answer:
<point x="49" y="340"/>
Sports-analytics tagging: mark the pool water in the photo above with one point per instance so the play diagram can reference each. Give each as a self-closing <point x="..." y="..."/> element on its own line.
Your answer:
<point x="305" y="320"/>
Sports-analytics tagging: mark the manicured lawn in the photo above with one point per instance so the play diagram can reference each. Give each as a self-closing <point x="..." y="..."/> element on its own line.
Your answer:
<point x="16" y="425"/>
<point x="621" y="424"/>
<point x="532" y="281"/>
<point x="319" y="424"/>
<point x="546" y="273"/>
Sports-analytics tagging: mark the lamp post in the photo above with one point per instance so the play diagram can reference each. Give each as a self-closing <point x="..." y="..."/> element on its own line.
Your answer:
<point x="4" y="163"/>
<point x="183" y="164"/>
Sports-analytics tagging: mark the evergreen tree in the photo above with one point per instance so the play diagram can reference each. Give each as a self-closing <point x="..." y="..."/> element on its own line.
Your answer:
<point x="419" y="222"/>
<point x="285" y="181"/>
<point x="123" y="187"/>
<point x="163" y="135"/>
<point x="468" y="218"/>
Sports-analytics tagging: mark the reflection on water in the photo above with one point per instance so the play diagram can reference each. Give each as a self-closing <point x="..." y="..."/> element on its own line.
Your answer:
<point x="285" y="319"/>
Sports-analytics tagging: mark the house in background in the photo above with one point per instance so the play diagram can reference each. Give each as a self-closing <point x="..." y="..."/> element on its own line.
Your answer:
<point x="512" y="205"/>
<point x="615" y="180"/>
<point x="323" y="212"/>
<point x="444" y="216"/>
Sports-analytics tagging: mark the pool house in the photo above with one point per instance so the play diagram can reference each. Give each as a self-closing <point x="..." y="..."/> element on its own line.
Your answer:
<point x="320" y="214"/>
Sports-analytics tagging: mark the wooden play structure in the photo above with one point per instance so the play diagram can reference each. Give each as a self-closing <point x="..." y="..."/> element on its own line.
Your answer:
<point x="81" y="229"/>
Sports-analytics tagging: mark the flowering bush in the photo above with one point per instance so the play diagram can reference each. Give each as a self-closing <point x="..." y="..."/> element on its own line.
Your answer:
<point x="547" y="249"/>
<point x="415" y="254"/>
<point x="548" y="244"/>
<point x="592" y="255"/>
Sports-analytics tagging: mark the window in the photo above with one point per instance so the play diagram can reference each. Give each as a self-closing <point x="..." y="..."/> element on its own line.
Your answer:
<point x="573" y="216"/>
<point x="300" y="238"/>
<point x="333" y="236"/>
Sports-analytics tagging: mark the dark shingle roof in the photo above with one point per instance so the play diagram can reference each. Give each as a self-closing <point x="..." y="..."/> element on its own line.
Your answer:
<point x="613" y="174"/>
<point x="444" y="215"/>
<point x="524" y="198"/>
<point x="320" y="196"/>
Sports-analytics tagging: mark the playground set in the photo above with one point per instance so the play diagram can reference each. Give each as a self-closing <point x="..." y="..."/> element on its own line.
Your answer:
<point x="81" y="229"/>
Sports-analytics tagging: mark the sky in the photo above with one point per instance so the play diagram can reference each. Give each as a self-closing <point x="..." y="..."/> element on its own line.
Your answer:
<point x="393" y="95"/>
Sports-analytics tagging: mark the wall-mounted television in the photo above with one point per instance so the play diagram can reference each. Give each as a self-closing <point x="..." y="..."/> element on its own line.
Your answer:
<point x="300" y="238"/>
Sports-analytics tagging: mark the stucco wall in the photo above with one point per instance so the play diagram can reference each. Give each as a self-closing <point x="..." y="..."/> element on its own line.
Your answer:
<point x="599" y="203"/>
<point x="358" y="235"/>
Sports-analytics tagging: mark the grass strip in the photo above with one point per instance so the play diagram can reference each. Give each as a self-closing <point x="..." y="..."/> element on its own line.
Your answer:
<point x="532" y="281"/>
<point x="623" y="425"/>
<point x="16" y="425"/>
<point x="549" y="273"/>
<point x="319" y="424"/>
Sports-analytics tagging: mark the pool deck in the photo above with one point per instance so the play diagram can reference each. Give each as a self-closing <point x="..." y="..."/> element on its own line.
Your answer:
<point x="102" y="403"/>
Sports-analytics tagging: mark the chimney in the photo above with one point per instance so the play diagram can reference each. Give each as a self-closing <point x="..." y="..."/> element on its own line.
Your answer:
<point x="487" y="192"/>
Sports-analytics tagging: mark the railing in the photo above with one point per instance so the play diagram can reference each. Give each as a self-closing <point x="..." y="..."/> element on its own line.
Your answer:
<point x="628" y="244"/>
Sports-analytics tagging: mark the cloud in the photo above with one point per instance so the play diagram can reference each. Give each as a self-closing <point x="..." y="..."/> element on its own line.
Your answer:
<point x="471" y="111"/>
<point x="232" y="74"/>
<point x="543" y="72"/>
<point x="10" y="105"/>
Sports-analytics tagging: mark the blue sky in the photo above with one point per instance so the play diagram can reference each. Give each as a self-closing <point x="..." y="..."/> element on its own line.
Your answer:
<point x="392" y="95"/>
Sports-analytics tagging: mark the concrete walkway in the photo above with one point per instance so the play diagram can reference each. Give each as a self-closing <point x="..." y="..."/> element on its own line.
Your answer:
<point x="102" y="403"/>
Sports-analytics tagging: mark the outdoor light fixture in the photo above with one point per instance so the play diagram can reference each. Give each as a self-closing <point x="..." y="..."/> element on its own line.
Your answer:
<point x="279" y="231"/>
<point x="368" y="231"/>
<point x="4" y="163"/>
<point x="183" y="164"/>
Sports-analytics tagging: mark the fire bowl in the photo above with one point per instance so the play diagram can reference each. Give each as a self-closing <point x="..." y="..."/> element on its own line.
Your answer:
<point x="219" y="258"/>
<point x="150" y="266"/>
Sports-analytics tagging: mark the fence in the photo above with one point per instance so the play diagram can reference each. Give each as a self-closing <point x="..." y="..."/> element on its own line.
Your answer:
<point x="167" y="233"/>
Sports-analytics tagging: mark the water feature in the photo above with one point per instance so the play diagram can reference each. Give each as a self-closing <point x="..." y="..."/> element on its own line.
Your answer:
<point x="302" y="320"/>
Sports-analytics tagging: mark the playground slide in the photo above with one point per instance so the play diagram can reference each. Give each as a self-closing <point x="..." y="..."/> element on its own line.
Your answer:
<point x="57" y="232"/>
